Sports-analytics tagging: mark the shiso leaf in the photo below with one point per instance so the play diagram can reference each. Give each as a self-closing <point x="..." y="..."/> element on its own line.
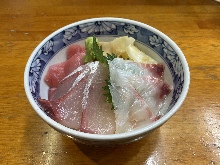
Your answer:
<point x="94" y="52"/>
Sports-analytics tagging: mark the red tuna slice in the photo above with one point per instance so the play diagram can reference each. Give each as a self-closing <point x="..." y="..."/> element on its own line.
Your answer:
<point x="58" y="71"/>
<point x="98" y="118"/>
<point x="55" y="74"/>
<point x="75" y="49"/>
<point x="69" y="81"/>
<point x="74" y="62"/>
<point x="67" y="110"/>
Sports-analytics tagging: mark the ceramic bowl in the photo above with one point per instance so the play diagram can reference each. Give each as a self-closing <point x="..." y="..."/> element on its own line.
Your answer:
<point x="150" y="40"/>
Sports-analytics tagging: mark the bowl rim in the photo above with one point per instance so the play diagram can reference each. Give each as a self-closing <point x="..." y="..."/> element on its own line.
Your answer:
<point x="114" y="137"/>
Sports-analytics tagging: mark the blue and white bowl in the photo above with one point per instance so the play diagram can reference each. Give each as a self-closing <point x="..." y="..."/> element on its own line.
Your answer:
<point x="148" y="39"/>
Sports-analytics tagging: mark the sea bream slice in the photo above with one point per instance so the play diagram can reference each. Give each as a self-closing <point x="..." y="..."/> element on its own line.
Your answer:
<point x="138" y="92"/>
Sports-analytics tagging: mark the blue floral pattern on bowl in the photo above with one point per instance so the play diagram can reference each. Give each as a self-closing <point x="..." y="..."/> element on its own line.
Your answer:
<point x="106" y="28"/>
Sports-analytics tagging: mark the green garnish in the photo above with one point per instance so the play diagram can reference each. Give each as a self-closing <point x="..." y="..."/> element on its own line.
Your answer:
<point x="108" y="93"/>
<point x="110" y="57"/>
<point x="94" y="52"/>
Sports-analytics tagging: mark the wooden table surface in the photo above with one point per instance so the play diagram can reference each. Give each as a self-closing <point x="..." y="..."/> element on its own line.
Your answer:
<point x="191" y="136"/>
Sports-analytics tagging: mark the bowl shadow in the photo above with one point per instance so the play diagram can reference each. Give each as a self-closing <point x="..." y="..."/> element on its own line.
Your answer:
<point x="137" y="151"/>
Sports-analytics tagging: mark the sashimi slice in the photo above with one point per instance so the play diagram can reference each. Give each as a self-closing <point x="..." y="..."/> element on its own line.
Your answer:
<point x="97" y="117"/>
<point x="63" y="87"/>
<point x="137" y="93"/>
<point x="140" y="111"/>
<point x="131" y="110"/>
<point x="65" y="104"/>
<point x="123" y="100"/>
<point x="79" y="102"/>
<point x="57" y="72"/>
<point x="67" y="110"/>
<point x="74" y="62"/>
<point x="134" y="68"/>
<point x="75" y="49"/>
<point x="70" y="81"/>
<point x="140" y="114"/>
<point x="157" y="70"/>
<point x="51" y="93"/>
<point x="153" y="91"/>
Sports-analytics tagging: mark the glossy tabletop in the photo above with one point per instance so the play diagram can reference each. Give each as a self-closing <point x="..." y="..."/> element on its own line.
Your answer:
<point x="191" y="136"/>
